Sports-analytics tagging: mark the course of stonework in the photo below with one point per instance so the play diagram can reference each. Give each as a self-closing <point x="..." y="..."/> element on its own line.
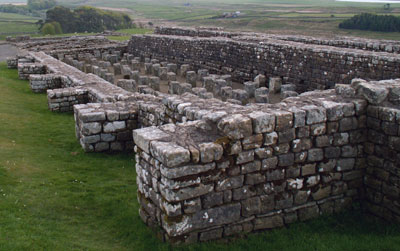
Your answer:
<point x="226" y="139"/>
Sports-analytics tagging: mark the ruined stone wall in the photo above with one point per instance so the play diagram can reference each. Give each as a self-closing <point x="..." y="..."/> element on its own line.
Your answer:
<point x="391" y="46"/>
<point x="307" y="66"/>
<point x="105" y="126"/>
<point x="27" y="69"/>
<point x="382" y="178"/>
<point x="242" y="169"/>
<point x="42" y="82"/>
<point x="63" y="100"/>
<point x="207" y="169"/>
<point x="192" y="32"/>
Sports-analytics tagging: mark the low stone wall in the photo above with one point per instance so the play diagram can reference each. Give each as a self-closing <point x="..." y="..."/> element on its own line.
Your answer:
<point x="12" y="63"/>
<point x="191" y="32"/>
<point x="27" y="69"/>
<point x="40" y="83"/>
<point x="391" y="46"/>
<point x="309" y="67"/>
<point x="348" y="42"/>
<point x="63" y="100"/>
<point x="106" y="126"/>
<point x="234" y="172"/>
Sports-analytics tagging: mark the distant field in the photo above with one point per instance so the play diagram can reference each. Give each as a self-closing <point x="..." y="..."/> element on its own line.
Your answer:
<point x="309" y="17"/>
<point x="17" y="27"/>
<point x="15" y="24"/>
<point x="17" y="17"/>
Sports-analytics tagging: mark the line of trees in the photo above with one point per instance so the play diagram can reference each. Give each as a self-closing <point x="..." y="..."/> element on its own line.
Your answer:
<point x="372" y="22"/>
<point x="85" y="19"/>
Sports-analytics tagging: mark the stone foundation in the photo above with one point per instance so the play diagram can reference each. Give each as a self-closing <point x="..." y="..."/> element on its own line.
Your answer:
<point x="209" y="169"/>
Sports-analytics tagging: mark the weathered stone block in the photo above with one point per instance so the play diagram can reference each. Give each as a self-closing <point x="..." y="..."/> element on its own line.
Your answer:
<point x="275" y="84"/>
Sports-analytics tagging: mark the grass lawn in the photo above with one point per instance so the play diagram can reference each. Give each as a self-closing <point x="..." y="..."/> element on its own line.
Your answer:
<point x="55" y="197"/>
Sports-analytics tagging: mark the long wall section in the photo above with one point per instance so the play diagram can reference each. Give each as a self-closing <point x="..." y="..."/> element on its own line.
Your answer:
<point x="308" y="66"/>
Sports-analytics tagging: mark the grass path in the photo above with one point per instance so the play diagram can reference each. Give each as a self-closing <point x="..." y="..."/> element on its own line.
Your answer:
<point x="55" y="197"/>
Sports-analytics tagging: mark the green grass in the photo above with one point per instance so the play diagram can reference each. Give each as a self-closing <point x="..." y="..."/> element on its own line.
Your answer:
<point x="11" y="27"/>
<point x="16" y="24"/>
<point x="135" y="31"/>
<point x="56" y="197"/>
<point x="309" y="17"/>
<point x="17" y="17"/>
<point x="130" y="32"/>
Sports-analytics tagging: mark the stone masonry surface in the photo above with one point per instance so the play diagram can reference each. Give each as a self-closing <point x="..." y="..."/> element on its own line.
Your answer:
<point x="308" y="66"/>
<point x="209" y="169"/>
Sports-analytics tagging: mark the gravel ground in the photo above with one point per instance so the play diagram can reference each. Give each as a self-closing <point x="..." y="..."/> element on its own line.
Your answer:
<point x="7" y="50"/>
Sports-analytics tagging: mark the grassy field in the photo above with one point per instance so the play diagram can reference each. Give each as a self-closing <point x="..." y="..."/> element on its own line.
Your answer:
<point x="15" y="24"/>
<point x="56" y="197"/>
<point x="310" y="17"/>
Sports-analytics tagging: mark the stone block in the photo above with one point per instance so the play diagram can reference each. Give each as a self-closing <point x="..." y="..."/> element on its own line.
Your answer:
<point x="171" y="76"/>
<point x="143" y="80"/>
<point x="191" y="78"/>
<point x="156" y="70"/>
<point x="240" y="95"/>
<point x="172" y="68"/>
<point x="169" y="154"/>
<point x="236" y="126"/>
<point x="261" y="80"/>
<point x="219" y="84"/>
<point x="184" y="69"/>
<point x="163" y="73"/>
<point x="287" y="94"/>
<point x="183" y="88"/>
<point x="201" y="74"/>
<point x="250" y="88"/>
<point x="275" y="84"/>
<point x="268" y="222"/>
<point x="154" y="83"/>
<point x="208" y="83"/>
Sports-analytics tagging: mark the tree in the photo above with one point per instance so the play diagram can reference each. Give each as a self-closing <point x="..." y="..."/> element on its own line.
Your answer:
<point x="48" y="29"/>
<point x="88" y="19"/>
<point x="367" y="21"/>
<point x="57" y="27"/>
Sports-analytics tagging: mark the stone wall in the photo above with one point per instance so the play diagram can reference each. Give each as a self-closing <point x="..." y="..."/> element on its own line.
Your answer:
<point x="391" y="46"/>
<point x="307" y="66"/>
<point x="382" y="178"/>
<point x="40" y="83"/>
<point x="27" y="69"/>
<point x="208" y="169"/>
<point x="63" y="100"/>
<point x="12" y="63"/>
<point x="241" y="169"/>
<point x="106" y="126"/>
<point x="192" y="32"/>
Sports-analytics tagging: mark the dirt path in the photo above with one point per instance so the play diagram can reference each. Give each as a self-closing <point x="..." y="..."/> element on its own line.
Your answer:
<point x="7" y="50"/>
